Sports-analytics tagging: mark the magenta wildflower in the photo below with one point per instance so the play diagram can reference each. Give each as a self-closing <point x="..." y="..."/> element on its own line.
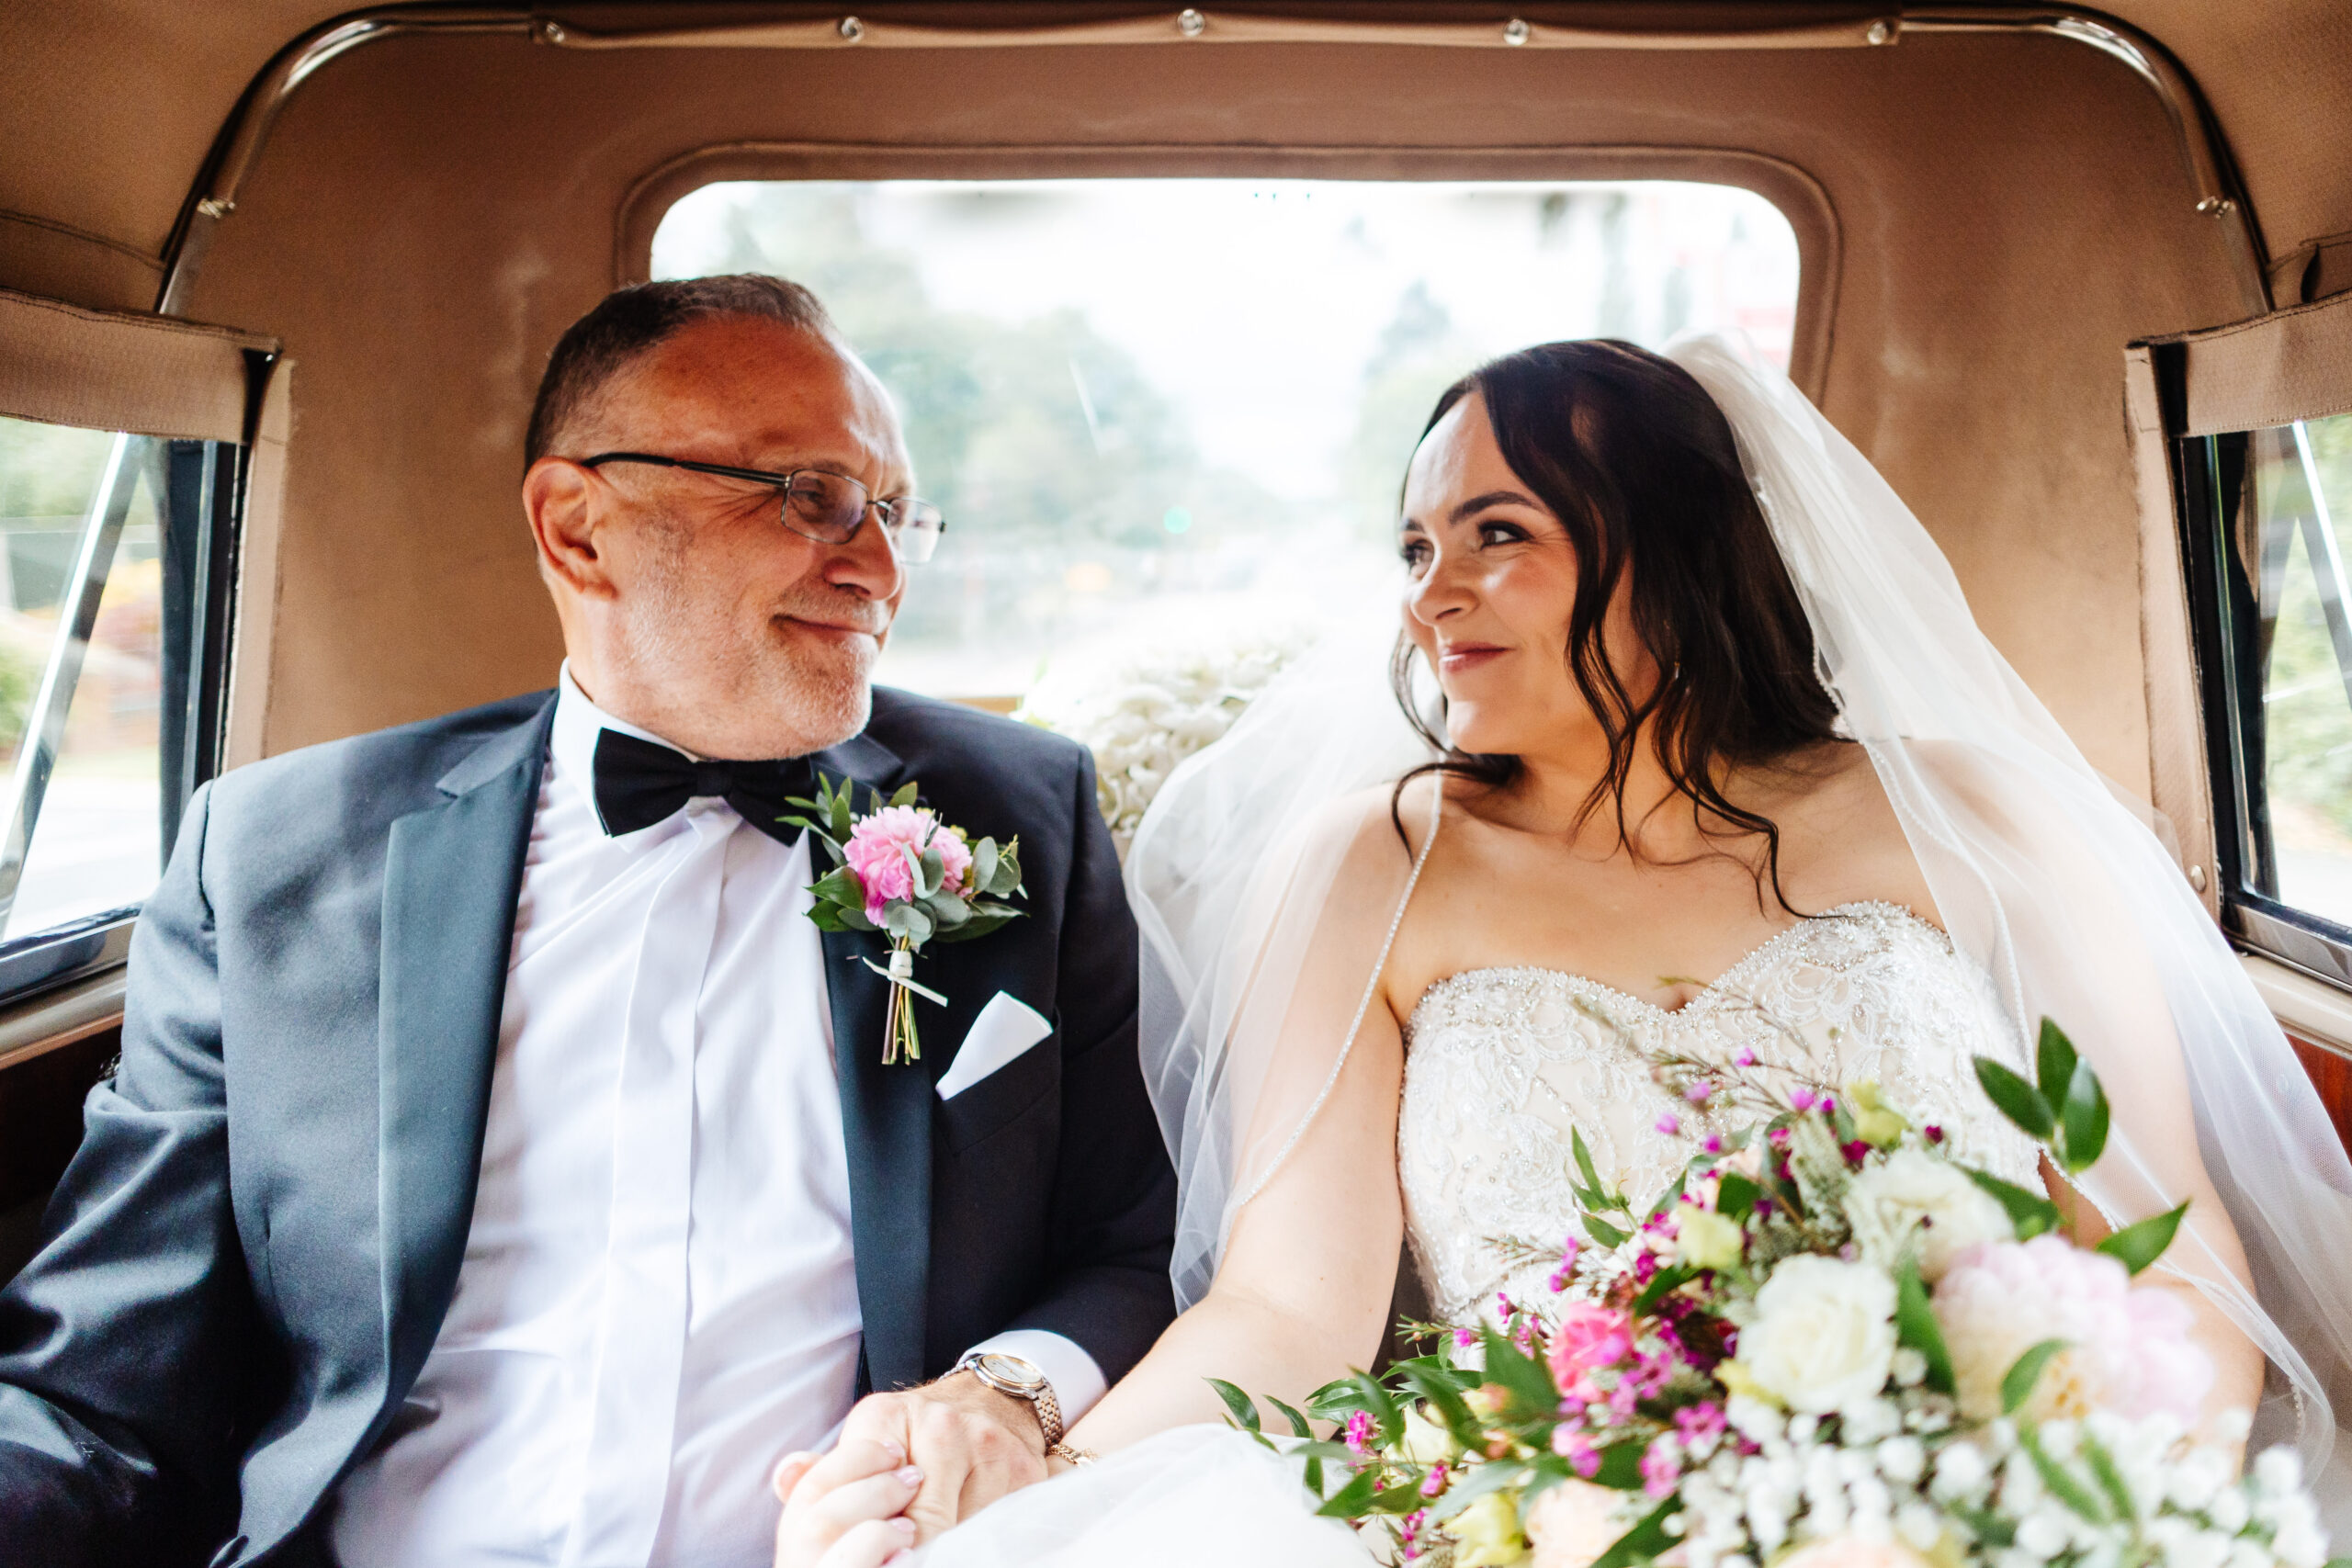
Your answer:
<point x="1855" y="1152"/>
<point x="1661" y="1467"/>
<point x="1578" y="1449"/>
<point x="1699" y="1423"/>
<point x="1645" y="1265"/>
<point x="1465" y="1338"/>
<point x="1779" y="1137"/>
<point x="1669" y="1124"/>
<point x="1359" y="1433"/>
<point x="1935" y="1133"/>
<point x="1746" y="1059"/>
<point x="1434" y="1482"/>
<point x="1829" y="1104"/>
<point x="1715" y="1143"/>
<point x="1802" y="1098"/>
<point x="1697" y="1092"/>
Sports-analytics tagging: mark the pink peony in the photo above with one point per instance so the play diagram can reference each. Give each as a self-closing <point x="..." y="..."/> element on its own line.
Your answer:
<point x="2128" y="1350"/>
<point x="1587" y="1338"/>
<point x="1573" y="1523"/>
<point x="875" y="847"/>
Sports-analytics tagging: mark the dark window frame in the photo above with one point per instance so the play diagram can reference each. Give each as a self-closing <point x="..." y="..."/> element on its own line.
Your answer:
<point x="2209" y="487"/>
<point x="201" y="491"/>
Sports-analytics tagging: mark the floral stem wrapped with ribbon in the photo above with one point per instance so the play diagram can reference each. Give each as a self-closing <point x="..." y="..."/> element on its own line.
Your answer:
<point x="900" y="871"/>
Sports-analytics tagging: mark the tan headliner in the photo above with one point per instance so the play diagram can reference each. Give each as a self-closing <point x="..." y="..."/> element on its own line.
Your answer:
<point x="111" y="106"/>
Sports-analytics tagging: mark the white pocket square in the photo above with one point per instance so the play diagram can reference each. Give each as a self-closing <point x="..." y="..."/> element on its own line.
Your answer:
<point x="1006" y="1027"/>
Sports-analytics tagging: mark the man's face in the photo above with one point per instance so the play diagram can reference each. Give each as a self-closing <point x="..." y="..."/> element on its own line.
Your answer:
<point x="695" y="611"/>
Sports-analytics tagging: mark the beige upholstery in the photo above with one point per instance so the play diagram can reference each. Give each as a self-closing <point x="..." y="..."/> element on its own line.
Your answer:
<point x="1987" y="217"/>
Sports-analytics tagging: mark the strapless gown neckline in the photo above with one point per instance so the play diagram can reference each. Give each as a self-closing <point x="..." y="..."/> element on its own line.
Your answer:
<point x="1723" y="986"/>
<point x="1503" y="1064"/>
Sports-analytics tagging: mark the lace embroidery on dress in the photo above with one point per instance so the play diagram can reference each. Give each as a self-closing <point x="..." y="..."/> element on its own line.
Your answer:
<point x="1501" y="1063"/>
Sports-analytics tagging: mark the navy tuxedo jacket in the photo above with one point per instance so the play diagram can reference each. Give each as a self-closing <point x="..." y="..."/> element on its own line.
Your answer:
<point x="253" y="1250"/>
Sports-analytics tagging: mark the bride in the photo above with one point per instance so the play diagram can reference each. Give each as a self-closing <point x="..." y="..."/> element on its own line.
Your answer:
<point x="1707" y="703"/>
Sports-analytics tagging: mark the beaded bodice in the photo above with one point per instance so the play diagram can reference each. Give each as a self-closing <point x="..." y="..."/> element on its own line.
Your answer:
<point x="1501" y="1063"/>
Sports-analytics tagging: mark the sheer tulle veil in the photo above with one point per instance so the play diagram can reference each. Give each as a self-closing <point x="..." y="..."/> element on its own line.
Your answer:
<point x="2044" y="878"/>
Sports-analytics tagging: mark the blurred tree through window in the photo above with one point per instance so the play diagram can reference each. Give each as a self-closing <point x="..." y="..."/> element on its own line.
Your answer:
<point x="1179" y="404"/>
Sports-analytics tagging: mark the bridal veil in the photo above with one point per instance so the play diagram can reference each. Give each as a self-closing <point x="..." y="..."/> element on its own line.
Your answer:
<point x="2059" y="890"/>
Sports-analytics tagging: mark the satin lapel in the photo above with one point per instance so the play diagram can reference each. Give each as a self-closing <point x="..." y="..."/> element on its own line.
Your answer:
<point x="451" y="876"/>
<point x="886" y="1124"/>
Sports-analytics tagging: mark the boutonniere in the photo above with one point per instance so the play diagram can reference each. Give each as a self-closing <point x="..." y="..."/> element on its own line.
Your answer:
<point x="900" y="871"/>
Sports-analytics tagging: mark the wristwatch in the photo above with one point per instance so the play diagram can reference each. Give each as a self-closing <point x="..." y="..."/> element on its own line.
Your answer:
<point x="1022" y="1380"/>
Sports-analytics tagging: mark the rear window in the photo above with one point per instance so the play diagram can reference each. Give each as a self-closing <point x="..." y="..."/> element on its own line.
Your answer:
<point x="1155" y="408"/>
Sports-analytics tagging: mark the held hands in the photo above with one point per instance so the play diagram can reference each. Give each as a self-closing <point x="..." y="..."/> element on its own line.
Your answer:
<point x="909" y="1466"/>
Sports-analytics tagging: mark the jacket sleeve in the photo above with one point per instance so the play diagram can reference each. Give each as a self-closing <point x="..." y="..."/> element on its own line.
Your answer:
<point x="119" y="1341"/>
<point x="1114" y="1220"/>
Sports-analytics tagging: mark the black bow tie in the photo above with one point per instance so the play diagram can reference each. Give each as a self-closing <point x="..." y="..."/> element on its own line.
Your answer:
<point x="640" y="782"/>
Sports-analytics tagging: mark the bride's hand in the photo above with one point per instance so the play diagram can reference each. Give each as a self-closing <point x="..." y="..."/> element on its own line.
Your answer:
<point x="847" y="1508"/>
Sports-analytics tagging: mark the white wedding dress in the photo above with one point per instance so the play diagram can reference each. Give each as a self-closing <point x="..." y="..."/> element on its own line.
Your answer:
<point x="1500" y="1064"/>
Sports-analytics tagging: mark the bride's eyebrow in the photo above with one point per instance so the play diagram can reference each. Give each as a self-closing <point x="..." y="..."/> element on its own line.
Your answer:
<point x="1478" y="504"/>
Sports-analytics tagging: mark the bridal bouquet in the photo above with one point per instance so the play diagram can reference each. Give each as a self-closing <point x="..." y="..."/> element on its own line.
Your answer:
<point x="1828" y="1344"/>
<point x="900" y="871"/>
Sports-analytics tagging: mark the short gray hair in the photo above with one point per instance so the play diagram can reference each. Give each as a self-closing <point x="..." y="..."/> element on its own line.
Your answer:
<point x="632" y="320"/>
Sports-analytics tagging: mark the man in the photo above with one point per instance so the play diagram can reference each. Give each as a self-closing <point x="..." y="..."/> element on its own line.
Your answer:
<point x="502" y="1168"/>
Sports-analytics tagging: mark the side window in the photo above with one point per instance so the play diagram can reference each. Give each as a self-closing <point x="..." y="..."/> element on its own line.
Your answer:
<point x="110" y="642"/>
<point x="2272" y="511"/>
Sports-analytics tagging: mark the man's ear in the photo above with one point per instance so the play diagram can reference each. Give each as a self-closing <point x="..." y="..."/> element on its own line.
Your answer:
<point x="564" y="502"/>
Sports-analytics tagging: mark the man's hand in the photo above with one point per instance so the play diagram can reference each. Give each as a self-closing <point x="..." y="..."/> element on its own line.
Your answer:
<point x="846" y="1510"/>
<point x="972" y="1444"/>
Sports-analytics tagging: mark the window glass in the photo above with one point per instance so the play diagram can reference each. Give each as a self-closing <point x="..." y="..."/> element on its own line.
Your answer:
<point x="2295" y="537"/>
<point x="1151" y="407"/>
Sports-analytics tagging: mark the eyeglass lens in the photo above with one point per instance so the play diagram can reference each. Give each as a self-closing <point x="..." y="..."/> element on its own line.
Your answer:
<point x="830" y="508"/>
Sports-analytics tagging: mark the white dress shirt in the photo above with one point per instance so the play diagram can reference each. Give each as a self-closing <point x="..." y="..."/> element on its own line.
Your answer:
<point x="658" y="1299"/>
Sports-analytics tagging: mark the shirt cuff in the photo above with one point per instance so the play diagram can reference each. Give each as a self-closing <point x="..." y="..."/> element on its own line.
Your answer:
<point x="1078" y="1381"/>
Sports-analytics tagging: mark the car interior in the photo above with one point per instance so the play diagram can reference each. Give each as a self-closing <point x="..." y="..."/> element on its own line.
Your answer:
<point x="277" y="283"/>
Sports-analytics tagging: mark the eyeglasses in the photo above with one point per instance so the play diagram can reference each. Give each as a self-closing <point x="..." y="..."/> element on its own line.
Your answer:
<point x="827" y="507"/>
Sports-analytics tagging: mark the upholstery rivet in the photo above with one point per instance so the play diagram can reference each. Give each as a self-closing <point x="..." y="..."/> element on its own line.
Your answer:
<point x="1191" y="23"/>
<point x="1516" y="32"/>
<point x="2217" y="207"/>
<point x="1881" y="32"/>
<point x="553" y="32"/>
<point x="851" y="29"/>
<point x="2196" y="877"/>
<point x="216" y="206"/>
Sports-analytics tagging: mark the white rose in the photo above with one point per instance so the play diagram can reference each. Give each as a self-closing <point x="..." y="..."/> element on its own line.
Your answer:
<point x="1914" y="1192"/>
<point x="1824" y="1334"/>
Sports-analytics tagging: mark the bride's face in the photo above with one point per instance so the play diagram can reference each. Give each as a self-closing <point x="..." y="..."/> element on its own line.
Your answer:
<point x="1494" y="582"/>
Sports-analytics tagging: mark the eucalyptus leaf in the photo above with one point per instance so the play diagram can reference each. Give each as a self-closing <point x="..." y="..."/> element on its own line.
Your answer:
<point x="1643" y="1542"/>
<point x="2054" y="1061"/>
<point x="1243" y="1409"/>
<point x="2136" y="1247"/>
<point x="1621" y="1467"/>
<point x="1299" y="1424"/>
<point x="983" y="866"/>
<point x="905" y="795"/>
<point x="1916" y="1325"/>
<point x="2083" y="1119"/>
<point x="2030" y="1213"/>
<point x="948" y="909"/>
<point x="934" y="866"/>
<point x="1735" y="1196"/>
<point x="1526" y="1380"/>
<point x="1353" y="1500"/>
<point x="2017" y="1384"/>
<point x="1604" y="1232"/>
<point x="2062" y="1483"/>
<point x="2017" y="1099"/>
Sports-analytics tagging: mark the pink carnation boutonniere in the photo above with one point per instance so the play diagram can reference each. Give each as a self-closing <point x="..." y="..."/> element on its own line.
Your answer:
<point x="900" y="871"/>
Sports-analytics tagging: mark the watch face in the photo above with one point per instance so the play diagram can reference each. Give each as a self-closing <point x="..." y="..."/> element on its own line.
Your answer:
<point x="1013" y="1372"/>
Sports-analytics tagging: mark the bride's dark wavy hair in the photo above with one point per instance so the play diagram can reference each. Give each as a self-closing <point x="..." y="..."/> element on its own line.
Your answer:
<point x="1639" y="465"/>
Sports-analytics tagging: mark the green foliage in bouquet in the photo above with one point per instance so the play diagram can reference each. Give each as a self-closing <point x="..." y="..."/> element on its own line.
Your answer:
<point x="934" y="911"/>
